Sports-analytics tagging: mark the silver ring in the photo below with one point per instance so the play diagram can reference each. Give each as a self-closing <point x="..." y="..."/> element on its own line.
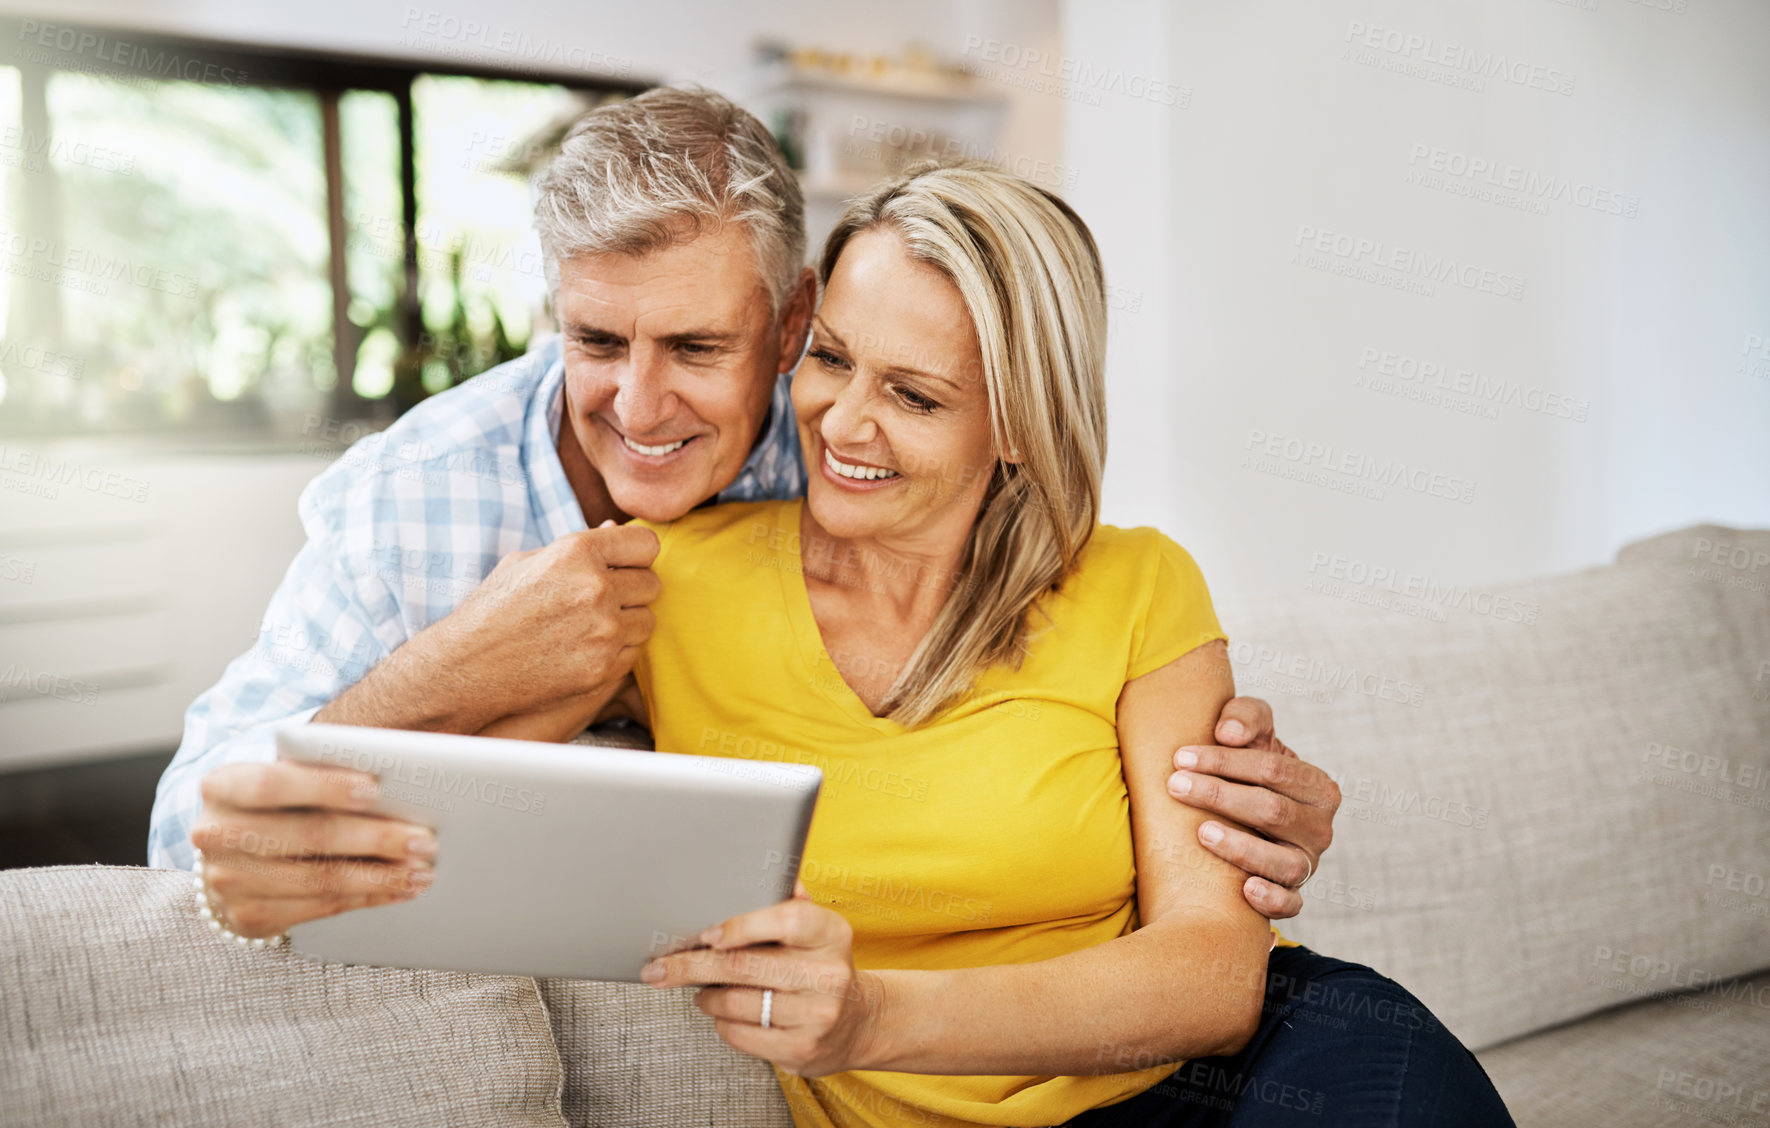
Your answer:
<point x="1308" y="874"/>
<point x="767" y="1005"/>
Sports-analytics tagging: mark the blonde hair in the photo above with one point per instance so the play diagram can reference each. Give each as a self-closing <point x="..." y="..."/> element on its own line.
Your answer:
<point x="673" y="163"/>
<point x="1030" y="276"/>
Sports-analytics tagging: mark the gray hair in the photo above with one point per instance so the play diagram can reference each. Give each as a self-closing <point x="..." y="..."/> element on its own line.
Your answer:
<point x="671" y="164"/>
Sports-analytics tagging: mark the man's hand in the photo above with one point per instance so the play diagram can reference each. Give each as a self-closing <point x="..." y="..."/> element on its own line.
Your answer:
<point x="284" y="843"/>
<point x="1290" y="802"/>
<point x="548" y="625"/>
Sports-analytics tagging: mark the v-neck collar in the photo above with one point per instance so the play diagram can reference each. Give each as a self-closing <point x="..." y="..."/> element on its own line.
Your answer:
<point x="809" y="638"/>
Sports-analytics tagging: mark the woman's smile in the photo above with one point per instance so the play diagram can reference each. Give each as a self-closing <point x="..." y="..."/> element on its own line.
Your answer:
<point x="858" y="476"/>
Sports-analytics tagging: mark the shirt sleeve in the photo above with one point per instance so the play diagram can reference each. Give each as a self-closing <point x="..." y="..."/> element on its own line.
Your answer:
<point x="318" y="637"/>
<point x="1178" y="615"/>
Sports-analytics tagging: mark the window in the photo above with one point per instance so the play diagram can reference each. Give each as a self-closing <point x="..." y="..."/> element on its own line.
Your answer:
<point x="201" y="236"/>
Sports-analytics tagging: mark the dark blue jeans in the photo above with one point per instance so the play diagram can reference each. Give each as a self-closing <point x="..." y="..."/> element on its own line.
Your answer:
<point x="1338" y="1045"/>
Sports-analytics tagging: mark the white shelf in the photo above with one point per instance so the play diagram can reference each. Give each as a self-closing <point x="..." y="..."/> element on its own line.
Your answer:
<point x="894" y="85"/>
<point x="853" y="131"/>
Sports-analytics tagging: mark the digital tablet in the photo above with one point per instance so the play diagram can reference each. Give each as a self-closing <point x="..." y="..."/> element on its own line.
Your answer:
<point x="561" y="860"/>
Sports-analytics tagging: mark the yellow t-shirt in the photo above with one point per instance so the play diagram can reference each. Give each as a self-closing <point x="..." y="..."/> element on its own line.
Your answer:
<point x="998" y="832"/>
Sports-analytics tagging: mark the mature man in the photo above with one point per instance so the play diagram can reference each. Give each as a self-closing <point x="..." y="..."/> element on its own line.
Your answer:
<point x="468" y="564"/>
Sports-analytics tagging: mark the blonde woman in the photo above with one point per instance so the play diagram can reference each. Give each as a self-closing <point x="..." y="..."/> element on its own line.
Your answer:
<point x="1002" y="916"/>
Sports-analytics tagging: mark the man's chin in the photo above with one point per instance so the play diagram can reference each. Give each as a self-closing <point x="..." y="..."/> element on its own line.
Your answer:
<point x="656" y="502"/>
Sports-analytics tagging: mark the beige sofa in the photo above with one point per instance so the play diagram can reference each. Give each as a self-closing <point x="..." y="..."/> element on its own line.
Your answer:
<point x="1556" y="810"/>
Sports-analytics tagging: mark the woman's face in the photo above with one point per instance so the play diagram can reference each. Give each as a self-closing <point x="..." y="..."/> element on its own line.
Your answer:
<point x="893" y="413"/>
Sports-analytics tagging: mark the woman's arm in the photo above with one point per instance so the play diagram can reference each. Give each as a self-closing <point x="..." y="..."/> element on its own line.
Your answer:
<point x="562" y="720"/>
<point x="1188" y="983"/>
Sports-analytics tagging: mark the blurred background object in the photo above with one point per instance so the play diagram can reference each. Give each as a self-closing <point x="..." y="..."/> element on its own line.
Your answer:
<point x="846" y="122"/>
<point x="302" y="235"/>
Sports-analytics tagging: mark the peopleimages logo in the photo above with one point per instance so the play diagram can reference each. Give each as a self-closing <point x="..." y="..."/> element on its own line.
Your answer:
<point x="383" y="237"/>
<point x="492" y="39"/>
<point x="893" y="145"/>
<point x="1380" y="255"/>
<point x="1757" y="356"/>
<point x="1464" y="60"/>
<point x="43" y="684"/>
<point x="51" y="261"/>
<point x="146" y="60"/>
<point x="43" y="360"/>
<point x="431" y="778"/>
<point x="1083" y="76"/>
<point x="1326" y="674"/>
<point x="1527" y="182"/>
<point x="31" y="150"/>
<point x="50" y="473"/>
<point x="1387" y="801"/>
<point x="1405" y="370"/>
<point x="1707" y="765"/>
<point x="1358" y="466"/>
<point x="1345" y="570"/>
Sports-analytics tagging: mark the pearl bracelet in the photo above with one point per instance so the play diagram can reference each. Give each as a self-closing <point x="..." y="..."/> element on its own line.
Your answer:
<point x="206" y="909"/>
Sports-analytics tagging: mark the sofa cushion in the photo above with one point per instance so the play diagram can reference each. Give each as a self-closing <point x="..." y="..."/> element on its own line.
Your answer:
<point x="123" y="1008"/>
<point x="643" y="1057"/>
<point x="1696" y="1058"/>
<point x="1557" y="798"/>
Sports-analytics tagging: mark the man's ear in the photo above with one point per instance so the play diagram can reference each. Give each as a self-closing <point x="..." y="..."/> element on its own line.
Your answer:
<point x="795" y="320"/>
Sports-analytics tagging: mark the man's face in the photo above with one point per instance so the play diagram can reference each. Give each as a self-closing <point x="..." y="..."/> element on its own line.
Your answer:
<point x="670" y="361"/>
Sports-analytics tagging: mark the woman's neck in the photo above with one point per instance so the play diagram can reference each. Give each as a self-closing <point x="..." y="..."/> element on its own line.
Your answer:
<point x="907" y="576"/>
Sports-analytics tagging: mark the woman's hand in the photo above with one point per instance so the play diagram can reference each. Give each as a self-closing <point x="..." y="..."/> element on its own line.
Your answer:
<point x="825" y="1014"/>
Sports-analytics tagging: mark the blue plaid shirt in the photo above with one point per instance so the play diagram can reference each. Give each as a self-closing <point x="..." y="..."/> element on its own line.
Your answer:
<point x="400" y="530"/>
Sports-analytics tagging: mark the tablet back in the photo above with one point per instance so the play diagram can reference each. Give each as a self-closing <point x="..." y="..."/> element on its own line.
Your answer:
<point x="562" y="860"/>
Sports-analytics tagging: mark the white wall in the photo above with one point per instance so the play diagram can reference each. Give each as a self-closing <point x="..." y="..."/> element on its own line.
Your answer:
<point x="122" y="597"/>
<point x="1653" y="322"/>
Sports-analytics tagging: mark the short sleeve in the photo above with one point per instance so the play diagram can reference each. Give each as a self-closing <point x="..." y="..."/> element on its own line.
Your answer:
<point x="1178" y="616"/>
